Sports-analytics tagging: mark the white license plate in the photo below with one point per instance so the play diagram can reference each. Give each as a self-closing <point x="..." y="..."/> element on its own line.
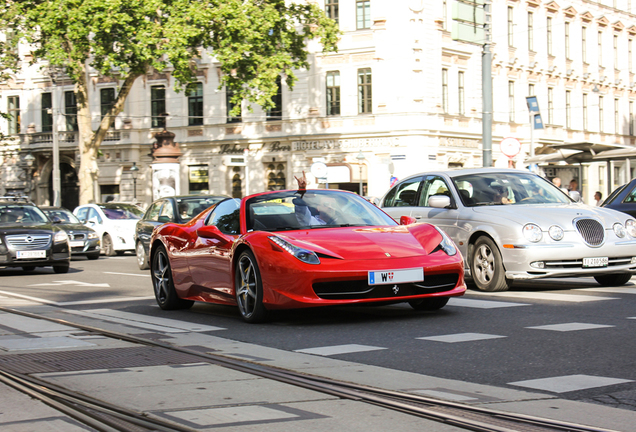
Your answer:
<point x="31" y="254"/>
<point x="385" y="277"/>
<point x="595" y="262"/>
<point x="76" y="243"/>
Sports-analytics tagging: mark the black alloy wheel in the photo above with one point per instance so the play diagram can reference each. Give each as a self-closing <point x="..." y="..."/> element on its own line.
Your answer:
<point x="249" y="288"/>
<point x="163" y="285"/>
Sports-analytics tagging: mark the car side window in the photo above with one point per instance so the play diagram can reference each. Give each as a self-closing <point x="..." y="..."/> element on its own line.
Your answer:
<point x="433" y="185"/>
<point x="81" y="213"/>
<point x="226" y="216"/>
<point x="404" y="194"/>
<point x="93" y="215"/>
<point x="153" y="212"/>
<point x="167" y="212"/>
<point x="631" y="197"/>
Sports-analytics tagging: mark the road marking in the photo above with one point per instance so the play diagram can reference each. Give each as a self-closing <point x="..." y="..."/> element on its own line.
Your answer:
<point x="570" y="327"/>
<point x="482" y="304"/>
<point x="164" y="325"/>
<point x="23" y="344"/>
<point x="71" y="282"/>
<point x="31" y="325"/>
<point x="461" y="337"/>
<point x="544" y="296"/>
<point x="231" y="415"/>
<point x="569" y="383"/>
<point x="615" y="290"/>
<point x="338" y="349"/>
<point x="11" y="302"/>
<point x="127" y="274"/>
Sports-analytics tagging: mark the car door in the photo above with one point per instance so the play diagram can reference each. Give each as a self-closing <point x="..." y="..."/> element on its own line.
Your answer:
<point x="94" y="220"/>
<point x="145" y="225"/>
<point x="402" y="199"/>
<point x="209" y="257"/>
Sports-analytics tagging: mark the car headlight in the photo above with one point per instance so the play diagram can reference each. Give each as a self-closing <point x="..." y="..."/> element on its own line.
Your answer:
<point x="447" y="244"/>
<point x="60" y="237"/>
<point x="630" y="227"/>
<point x="303" y="255"/>
<point x="619" y="230"/>
<point x="92" y="236"/>
<point x="532" y="232"/>
<point x="556" y="232"/>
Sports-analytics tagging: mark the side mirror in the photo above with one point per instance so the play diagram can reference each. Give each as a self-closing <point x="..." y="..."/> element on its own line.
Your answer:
<point x="439" y="201"/>
<point x="407" y="220"/>
<point x="56" y="219"/>
<point x="212" y="232"/>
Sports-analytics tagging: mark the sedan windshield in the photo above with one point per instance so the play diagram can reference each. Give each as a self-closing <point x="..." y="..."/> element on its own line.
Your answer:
<point x="290" y="210"/>
<point x="507" y="188"/>
<point x="121" y="211"/>
<point x="64" y="215"/>
<point x="12" y="214"/>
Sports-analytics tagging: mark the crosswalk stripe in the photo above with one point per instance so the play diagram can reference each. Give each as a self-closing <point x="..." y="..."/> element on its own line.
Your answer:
<point x="543" y="295"/>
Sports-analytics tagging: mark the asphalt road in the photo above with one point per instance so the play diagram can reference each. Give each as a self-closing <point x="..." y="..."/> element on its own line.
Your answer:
<point x="567" y="337"/>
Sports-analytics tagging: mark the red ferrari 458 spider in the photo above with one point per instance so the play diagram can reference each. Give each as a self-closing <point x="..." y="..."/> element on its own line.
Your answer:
<point x="302" y="248"/>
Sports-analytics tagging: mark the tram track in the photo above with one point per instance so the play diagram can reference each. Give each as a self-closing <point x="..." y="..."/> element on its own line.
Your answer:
<point x="103" y="416"/>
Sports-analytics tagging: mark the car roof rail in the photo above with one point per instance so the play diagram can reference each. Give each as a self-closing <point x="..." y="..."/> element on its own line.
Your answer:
<point x="16" y="198"/>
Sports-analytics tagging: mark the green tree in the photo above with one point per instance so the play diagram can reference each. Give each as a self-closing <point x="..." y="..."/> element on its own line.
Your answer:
<point x="254" y="41"/>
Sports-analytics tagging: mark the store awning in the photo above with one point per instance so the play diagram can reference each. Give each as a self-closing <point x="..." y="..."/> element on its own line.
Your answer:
<point x="574" y="153"/>
<point x="626" y="153"/>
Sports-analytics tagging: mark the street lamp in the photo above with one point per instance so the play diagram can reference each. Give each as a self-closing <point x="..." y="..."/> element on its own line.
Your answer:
<point x="29" y="159"/>
<point x="360" y="158"/>
<point x="134" y="171"/>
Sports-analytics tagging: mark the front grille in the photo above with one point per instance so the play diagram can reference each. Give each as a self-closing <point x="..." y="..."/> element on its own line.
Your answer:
<point x="29" y="241"/>
<point x="591" y="230"/>
<point x="360" y="289"/>
<point x="80" y="236"/>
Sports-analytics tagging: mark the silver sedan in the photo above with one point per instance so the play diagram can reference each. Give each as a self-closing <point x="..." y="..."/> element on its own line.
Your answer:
<point x="515" y="225"/>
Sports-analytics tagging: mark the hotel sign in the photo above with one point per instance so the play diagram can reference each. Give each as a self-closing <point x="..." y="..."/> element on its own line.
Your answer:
<point x="354" y="143"/>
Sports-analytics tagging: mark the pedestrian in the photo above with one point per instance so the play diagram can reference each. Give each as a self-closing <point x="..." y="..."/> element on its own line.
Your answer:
<point x="598" y="197"/>
<point x="574" y="185"/>
<point x="557" y="182"/>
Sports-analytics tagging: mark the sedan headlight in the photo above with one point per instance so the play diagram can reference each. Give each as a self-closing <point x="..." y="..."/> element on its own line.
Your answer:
<point x="447" y="244"/>
<point x="556" y="232"/>
<point x="630" y="227"/>
<point x="532" y="232"/>
<point x="303" y="255"/>
<point x="60" y="237"/>
<point x="619" y="230"/>
<point x="92" y="235"/>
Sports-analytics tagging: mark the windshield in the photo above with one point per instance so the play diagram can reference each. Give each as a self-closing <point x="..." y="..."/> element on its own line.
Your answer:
<point x="64" y="215"/>
<point x="12" y="214"/>
<point x="507" y="188"/>
<point x="191" y="206"/>
<point x="291" y="210"/>
<point x="121" y="211"/>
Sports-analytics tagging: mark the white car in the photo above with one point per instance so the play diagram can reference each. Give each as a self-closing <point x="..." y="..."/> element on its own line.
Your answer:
<point x="113" y="222"/>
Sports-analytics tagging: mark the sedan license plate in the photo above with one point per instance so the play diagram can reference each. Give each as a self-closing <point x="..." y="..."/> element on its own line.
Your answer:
<point x="595" y="262"/>
<point x="31" y="254"/>
<point x="76" y="243"/>
<point x="385" y="277"/>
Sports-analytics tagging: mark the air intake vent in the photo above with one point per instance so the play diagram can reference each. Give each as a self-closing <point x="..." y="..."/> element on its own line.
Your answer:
<point x="591" y="230"/>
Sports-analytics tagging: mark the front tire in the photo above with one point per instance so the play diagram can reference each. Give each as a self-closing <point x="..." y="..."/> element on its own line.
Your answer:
<point x="163" y="285"/>
<point x="429" y="304"/>
<point x="107" y="245"/>
<point x="142" y="259"/>
<point x="613" y="279"/>
<point x="93" y="256"/>
<point x="249" y="288"/>
<point x="61" y="268"/>
<point x="486" y="266"/>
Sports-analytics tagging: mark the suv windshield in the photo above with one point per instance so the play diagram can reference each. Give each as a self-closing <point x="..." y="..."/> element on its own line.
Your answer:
<point x="19" y="213"/>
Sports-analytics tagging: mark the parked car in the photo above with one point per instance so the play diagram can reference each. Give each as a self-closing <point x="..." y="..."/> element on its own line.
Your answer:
<point x="83" y="240"/>
<point x="114" y="224"/>
<point x="271" y="251"/>
<point x="177" y="209"/>
<point x="623" y="199"/>
<point x="515" y="225"/>
<point x="29" y="239"/>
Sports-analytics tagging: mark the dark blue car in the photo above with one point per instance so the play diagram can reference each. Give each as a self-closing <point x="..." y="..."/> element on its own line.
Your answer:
<point x="623" y="199"/>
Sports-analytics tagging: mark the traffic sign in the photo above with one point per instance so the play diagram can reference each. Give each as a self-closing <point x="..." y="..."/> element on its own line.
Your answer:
<point x="319" y="170"/>
<point x="510" y="147"/>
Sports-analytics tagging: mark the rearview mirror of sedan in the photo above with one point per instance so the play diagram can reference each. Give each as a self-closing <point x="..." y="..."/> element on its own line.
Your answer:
<point x="407" y="220"/>
<point x="439" y="201"/>
<point x="212" y="232"/>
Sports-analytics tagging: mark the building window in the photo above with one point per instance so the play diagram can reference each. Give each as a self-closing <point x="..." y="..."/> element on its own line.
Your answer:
<point x="47" y="112"/>
<point x="530" y="89"/>
<point x="276" y="177"/>
<point x="195" y="104"/>
<point x="237" y="183"/>
<point x="445" y="90"/>
<point x="585" y="123"/>
<point x="198" y="179"/>
<point x="616" y="117"/>
<point x="460" y="92"/>
<point x="511" y="101"/>
<point x="276" y="111"/>
<point x="158" y="106"/>
<point x="364" y="91"/>
<point x="600" y="48"/>
<point x="568" y="106"/>
<point x="229" y="94"/>
<point x="631" y="118"/>
<point x="549" y="34"/>
<point x="333" y="93"/>
<point x="13" y="109"/>
<point x="331" y="9"/>
<point x="584" y="44"/>
<point x="106" y="100"/>
<point x="615" y="51"/>
<point x="70" y="111"/>
<point x="510" y="26"/>
<point x="601" y="119"/>
<point x="530" y="31"/>
<point x="363" y="14"/>
<point x="567" y="40"/>
<point x="550" y="105"/>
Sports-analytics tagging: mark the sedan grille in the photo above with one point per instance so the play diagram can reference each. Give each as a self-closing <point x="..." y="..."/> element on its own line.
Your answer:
<point x="29" y="241"/>
<point x="591" y="230"/>
<point x="76" y="236"/>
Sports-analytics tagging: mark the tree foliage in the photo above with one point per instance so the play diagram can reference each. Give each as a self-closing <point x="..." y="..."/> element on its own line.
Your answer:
<point x="254" y="41"/>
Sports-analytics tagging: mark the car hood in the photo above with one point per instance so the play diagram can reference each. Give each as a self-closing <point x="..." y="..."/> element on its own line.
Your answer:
<point x="547" y="215"/>
<point x="25" y="228"/>
<point x="367" y="243"/>
<point x="74" y="227"/>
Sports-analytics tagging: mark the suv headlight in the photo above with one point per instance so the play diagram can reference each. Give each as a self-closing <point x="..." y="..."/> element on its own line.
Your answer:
<point x="630" y="227"/>
<point x="532" y="232"/>
<point x="60" y="237"/>
<point x="303" y="255"/>
<point x="447" y="244"/>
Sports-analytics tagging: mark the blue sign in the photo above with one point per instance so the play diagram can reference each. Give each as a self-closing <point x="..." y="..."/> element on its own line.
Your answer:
<point x="537" y="123"/>
<point x="533" y="104"/>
